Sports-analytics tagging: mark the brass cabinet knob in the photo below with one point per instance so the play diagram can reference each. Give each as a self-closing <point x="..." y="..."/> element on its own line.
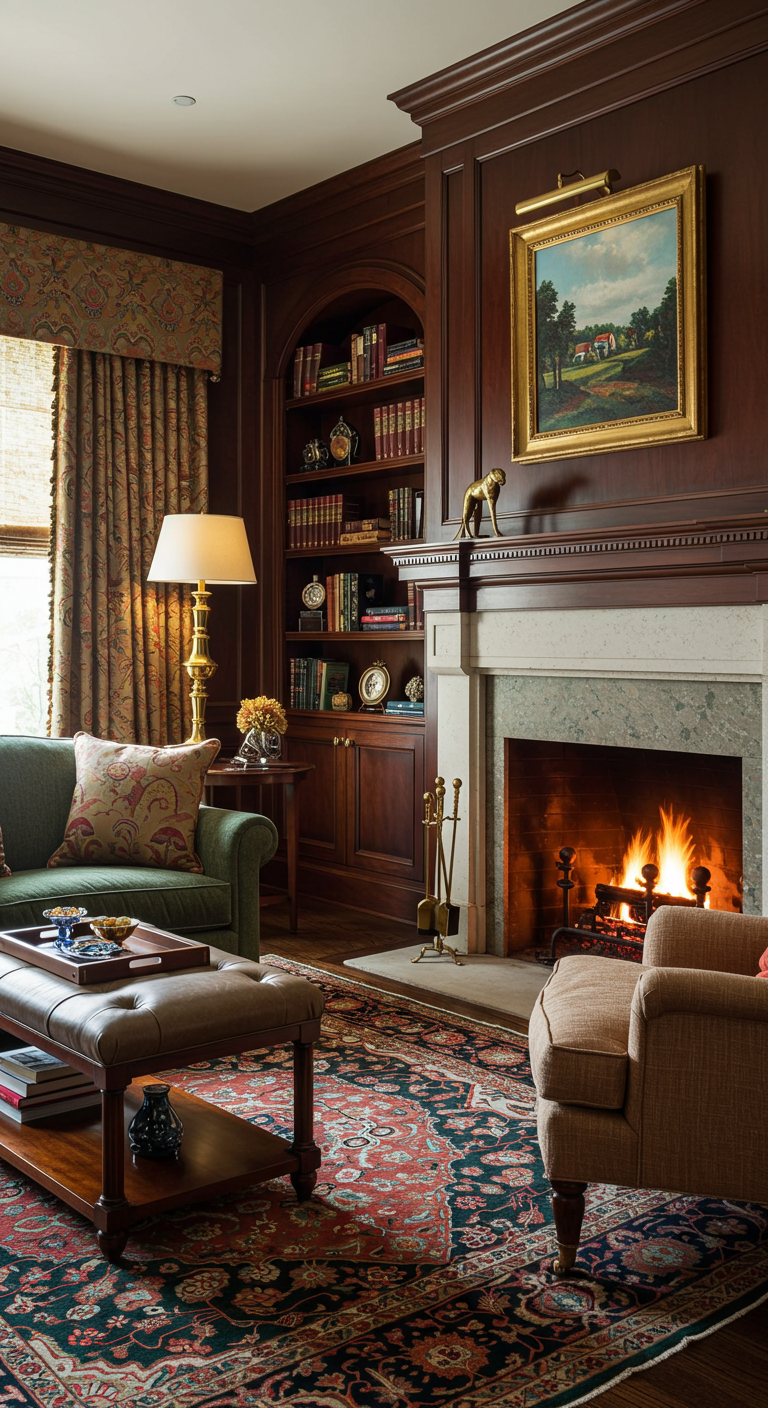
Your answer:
<point x="348" y="742"/>
<point x="336" y="742"/>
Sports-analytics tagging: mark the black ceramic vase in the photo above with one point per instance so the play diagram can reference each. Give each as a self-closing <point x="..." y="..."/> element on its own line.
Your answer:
<point x="155" y="1130"/>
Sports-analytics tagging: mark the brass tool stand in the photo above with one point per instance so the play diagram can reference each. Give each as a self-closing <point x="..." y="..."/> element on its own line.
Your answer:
<point x="437" y="916"/>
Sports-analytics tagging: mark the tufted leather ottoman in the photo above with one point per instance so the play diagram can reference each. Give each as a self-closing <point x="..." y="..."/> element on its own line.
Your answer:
<point x="120" y="1031"/>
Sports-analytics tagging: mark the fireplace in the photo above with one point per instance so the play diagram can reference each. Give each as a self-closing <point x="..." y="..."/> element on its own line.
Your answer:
<point x="618" y="829"/>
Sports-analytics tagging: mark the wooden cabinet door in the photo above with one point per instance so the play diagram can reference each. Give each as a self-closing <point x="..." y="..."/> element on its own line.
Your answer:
<point x="321" y="800"/>
<point x="384" y="806"/>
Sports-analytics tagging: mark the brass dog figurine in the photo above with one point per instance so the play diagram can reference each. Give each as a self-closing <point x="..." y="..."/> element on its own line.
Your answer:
<point x="472" y="510"/>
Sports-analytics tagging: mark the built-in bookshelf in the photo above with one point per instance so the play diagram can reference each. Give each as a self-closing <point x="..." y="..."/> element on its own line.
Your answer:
<point x="375" y="500"/>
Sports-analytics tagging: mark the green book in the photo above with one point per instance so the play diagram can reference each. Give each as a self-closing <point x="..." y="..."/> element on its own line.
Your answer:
<point x="335" y="674"/>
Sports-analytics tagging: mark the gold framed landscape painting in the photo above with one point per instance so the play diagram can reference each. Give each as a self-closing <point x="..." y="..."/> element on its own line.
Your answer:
<point x="608" y="323"/>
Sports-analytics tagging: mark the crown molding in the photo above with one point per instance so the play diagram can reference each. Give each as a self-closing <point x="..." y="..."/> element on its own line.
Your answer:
<point x="650" y="44"/>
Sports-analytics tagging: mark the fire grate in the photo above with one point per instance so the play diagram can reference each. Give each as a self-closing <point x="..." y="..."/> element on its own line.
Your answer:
<point x="598" y="930"/>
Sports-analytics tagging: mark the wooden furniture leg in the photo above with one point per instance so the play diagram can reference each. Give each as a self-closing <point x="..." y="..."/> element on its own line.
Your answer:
<point x="292" y="849"/>
<point x="568" y="1208"/>
<point x="304" y="1146"/>
<point x="111" y="1242"/>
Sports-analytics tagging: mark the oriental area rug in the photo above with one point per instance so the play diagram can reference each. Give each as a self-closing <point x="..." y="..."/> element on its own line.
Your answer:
<point x="417" y="1275"/>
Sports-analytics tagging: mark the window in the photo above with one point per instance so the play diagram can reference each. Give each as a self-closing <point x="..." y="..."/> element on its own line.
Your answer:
<point x="26" y="444"/>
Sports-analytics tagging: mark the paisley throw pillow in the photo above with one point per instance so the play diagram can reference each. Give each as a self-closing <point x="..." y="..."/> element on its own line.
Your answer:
<point x="135" y="805"/>
<point x="4" y="869"/>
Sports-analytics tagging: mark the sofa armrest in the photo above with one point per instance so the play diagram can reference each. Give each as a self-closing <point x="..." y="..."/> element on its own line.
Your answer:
<point x="708" y="939"/>
<point x="698" y="1051"/>
<point x="233" y="846"/>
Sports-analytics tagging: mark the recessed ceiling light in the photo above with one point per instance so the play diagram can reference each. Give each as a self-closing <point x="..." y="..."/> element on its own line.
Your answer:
<point x="183" y="100"/>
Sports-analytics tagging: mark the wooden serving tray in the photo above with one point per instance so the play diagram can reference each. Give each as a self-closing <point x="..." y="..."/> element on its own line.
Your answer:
<point x="148" y="950"/>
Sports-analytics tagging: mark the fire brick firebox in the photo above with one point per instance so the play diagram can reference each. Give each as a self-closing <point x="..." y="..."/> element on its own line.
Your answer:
<point x="596" y="838"/>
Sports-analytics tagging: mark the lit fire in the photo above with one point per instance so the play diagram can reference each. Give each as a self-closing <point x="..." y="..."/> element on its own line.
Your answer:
<point x="672" y="849"/>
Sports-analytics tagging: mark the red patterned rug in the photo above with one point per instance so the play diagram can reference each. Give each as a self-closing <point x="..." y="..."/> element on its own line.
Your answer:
<point x="418" y="1274"/>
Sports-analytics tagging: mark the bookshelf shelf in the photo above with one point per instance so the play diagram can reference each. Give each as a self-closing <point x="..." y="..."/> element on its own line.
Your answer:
<point x="354" y="394"/>
<point x="347" y="549"/>
<point x="350" y="716"/>
<point x="372" y="468"/>
<point x="354" y="635"/>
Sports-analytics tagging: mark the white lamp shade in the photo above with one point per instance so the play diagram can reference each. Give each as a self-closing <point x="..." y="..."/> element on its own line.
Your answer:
<point x="202" y="547"/>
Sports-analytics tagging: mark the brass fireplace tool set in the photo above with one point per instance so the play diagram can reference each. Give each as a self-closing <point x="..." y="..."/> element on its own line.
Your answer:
<point x="437" y="916"/>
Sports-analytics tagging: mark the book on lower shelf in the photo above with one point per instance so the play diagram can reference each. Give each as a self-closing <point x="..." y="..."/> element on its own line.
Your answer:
<point x="406" y="511"/>
<point x="314" y="682"/>
<point x="405" y="708"/>
<point x="33" y="1066"/>
<point x="42" y="1108"/>
<point x="317" y="522"/>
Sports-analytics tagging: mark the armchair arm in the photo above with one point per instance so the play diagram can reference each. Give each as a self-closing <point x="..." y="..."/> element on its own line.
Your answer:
<point x="698" y="1050"/>
<point x="233" y="846"/>
<point x="705" y="938"/>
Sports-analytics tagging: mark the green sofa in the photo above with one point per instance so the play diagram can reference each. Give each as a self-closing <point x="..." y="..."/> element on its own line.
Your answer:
<point x="221" y="906"/>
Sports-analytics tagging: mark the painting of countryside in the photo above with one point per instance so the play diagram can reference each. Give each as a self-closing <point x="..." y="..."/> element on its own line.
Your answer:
<point x="606" y="324"/>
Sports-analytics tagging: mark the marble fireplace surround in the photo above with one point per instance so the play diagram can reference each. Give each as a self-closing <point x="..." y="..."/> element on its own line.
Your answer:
<point x="680" y="677"/>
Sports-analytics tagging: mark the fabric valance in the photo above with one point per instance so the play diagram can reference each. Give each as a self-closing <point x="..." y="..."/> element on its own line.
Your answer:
<point x="99" y="299"/>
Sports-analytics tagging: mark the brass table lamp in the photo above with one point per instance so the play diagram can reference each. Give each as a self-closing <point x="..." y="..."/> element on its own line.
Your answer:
<point x="199" y="548"/>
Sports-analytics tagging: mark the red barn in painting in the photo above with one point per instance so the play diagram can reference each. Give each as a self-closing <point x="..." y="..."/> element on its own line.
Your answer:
<point x="604" y="344"/>
<point x="581" y="352"/>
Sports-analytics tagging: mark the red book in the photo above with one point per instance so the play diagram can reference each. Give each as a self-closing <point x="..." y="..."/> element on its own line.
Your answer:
<point x="306" y="374"/>
<point x="423" y="427"/>
<point x="400" y="449"/>
<point x="377" y="430"/>
<point x="409" y="428"/>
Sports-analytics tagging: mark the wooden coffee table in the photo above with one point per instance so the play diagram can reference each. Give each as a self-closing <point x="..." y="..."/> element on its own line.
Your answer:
<point x="83" y="1157"/>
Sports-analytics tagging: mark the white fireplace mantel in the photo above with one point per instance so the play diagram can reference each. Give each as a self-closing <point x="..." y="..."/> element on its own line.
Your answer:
<point x="701" y="643"/>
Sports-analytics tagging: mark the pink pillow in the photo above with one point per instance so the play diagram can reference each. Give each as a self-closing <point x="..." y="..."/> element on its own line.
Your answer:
<point x="134" y="805"/>
<point x="763" y="965"/>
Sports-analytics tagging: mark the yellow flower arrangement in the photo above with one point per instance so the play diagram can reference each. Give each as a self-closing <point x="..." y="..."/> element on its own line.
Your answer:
<point x="267" y="715"/>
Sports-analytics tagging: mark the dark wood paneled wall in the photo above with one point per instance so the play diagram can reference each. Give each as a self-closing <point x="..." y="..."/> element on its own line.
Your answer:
<point x="648" y="87"/>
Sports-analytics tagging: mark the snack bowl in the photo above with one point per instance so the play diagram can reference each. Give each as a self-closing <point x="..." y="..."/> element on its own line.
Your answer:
<point x="113" y="928"/>
<point x="64" y="918"/>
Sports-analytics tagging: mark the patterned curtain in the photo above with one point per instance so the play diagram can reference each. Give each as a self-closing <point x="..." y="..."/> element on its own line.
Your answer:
<point x="130" y="446"/>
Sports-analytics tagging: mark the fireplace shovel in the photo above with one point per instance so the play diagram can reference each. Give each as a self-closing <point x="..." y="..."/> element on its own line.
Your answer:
<point x="426" y="908"/>
<point x="447" y="914"/>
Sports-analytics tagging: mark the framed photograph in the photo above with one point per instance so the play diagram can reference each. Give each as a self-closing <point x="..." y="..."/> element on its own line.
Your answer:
<point x="608" y="323"/>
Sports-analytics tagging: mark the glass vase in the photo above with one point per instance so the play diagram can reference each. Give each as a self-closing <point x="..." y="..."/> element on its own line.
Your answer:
<point x="258" y="748"/>
<point x="155" y="1130"/>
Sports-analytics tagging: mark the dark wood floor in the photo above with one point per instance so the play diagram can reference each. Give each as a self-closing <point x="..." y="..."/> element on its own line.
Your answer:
<point x="728" y="1369"/>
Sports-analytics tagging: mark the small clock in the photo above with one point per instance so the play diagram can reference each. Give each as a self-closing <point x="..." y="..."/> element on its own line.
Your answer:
<point x="343" y="443"/>
<point x="374" y="687"/>
<point x="313" y="594"/>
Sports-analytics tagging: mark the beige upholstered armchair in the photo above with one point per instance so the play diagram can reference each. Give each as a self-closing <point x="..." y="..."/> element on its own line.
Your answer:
<point x="655" y="1076"/>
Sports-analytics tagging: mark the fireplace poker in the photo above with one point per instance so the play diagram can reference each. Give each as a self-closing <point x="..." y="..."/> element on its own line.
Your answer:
<point x="444" y="915"/>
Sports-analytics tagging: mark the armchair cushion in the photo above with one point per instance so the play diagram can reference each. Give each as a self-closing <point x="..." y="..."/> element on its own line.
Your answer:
<point x="579" y="1031"/>
<point x="4" y="869"/>
<point x="134" y="805"/>
<point x="704" y="938"/>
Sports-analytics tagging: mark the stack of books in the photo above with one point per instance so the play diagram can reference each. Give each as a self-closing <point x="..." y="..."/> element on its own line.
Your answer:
<point x="314" y="682"/>
<point x="404" y="708"/>
<point x="406" y="356"/>
<point x="398" y="429"/>
<point x="340" y="374"/>
<point x="385" y="618"/>
<point x="34" y="1085"/>
<point x="365" y="530"/>
<point x="405" y="512"/>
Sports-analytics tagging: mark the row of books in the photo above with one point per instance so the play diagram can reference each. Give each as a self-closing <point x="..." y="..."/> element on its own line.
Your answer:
<point x="398" y="429"/>
<point x="406" y="513"/>
<point x="317" y="522"/>
<point x="372" y="355"/>
<point x="34" y="1085"/>
<point x="313" y="682"/>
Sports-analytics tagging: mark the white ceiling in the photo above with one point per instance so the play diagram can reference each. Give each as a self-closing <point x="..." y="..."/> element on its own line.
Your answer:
<point x="287" y="95"/>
